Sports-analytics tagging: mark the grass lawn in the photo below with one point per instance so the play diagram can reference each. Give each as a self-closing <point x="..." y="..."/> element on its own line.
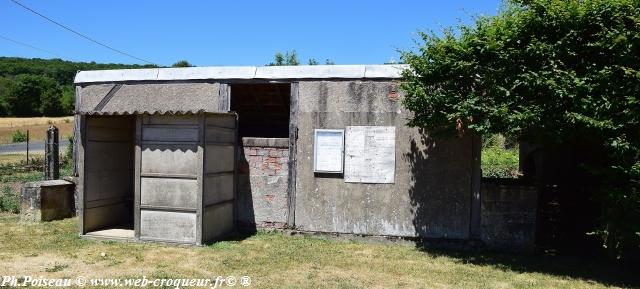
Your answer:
<point x="37" y="127"/>
<point x="274" y="260"/>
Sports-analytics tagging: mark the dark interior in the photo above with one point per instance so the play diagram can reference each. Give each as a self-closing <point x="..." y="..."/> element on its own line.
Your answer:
<point x="263" y="109"/>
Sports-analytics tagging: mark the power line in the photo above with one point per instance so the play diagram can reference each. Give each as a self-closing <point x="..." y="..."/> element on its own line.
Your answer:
<point x="80" y="34"/>
<point x="30" y="46"/>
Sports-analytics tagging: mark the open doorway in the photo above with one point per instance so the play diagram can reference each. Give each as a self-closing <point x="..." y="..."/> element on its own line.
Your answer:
<point x="109" y="177"/>
<point x="263" y="156"/>
<point x="263" y="109"/>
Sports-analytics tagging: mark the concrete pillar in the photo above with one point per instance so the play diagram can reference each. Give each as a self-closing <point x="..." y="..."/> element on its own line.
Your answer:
<point x="52" y="164"/>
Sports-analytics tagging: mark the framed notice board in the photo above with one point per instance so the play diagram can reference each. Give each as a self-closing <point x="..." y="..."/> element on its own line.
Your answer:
<point x="328" y="151"/>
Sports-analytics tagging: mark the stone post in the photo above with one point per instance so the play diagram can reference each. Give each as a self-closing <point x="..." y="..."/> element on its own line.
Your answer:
<point x="52" y="165"/>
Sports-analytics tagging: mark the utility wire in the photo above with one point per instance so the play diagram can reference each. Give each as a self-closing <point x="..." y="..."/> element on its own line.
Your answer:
<point x="30" y="46"/>
<point x="80" y="34"/>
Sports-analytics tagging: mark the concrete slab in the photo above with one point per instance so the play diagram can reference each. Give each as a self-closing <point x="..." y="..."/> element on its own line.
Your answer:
<point x="114" y="233"/>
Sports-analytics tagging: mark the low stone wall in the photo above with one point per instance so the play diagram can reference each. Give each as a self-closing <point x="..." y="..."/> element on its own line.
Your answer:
<point x="508" y="215"/>
<point x="262" y="182"/>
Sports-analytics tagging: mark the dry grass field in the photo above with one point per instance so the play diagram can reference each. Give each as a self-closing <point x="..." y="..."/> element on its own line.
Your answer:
<point x="17" y="157"/>
<point x="37" y="126"/>
<point x="274" y="260"/>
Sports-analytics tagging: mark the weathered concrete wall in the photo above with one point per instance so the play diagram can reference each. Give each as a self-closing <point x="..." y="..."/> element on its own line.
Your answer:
<point x="108" y="171"/>
<point x="47" y="201"/>
<point x="170" y="177"/>
<point x="431" y="195"/>
<point x="508" y="216"/>
<point x="218" y="176"/>
<point x="262" y="182"/>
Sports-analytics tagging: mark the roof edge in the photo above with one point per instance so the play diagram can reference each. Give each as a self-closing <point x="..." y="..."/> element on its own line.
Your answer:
<point x="388" y="71"/>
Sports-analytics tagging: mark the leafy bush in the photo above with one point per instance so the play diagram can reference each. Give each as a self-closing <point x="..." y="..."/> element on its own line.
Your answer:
<point x="66" y="159"/>
<point x="9" y="200"/>
<point x="550" y="72"/>
<point x="500" y="157"/>
<point x="18" y="136"/>
<point x="500" y="163"/>
<point x="68" y="153"/>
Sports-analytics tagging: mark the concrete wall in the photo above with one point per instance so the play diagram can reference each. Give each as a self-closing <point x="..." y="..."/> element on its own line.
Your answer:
<point x="508" y="216"/>
<point x="108" y="171"/>
<point x="262" y="182"/>
<point x="218" y="176"/>
<point x="431" y="195"/>
<point x="170" y="188"/>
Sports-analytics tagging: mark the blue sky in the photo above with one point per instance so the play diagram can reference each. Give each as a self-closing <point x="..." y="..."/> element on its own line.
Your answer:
<point x="208" y="33"/>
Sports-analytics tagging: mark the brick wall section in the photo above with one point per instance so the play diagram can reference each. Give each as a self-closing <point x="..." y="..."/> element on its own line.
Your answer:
<point x="263" y="171"/>
<point x="508" y="216"/>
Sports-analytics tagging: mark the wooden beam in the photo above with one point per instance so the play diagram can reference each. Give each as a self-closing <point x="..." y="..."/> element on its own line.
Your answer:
<point x="137" y="159"/>
<point x="293" y="137"/>
<point x="224" y="99"/>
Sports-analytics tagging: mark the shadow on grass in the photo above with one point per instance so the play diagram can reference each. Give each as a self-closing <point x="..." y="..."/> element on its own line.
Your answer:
<point x="599" y="270"/>
<point x="240" y="235"/>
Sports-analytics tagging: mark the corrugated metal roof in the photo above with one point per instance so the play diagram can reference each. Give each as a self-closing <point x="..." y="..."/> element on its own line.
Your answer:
<point x="124" y="99"/>
<point x="243" y="72"/>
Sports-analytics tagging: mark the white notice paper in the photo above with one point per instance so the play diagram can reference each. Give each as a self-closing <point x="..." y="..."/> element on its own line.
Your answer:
<point x="328" y="151"/>
<point x="370" y="154"/>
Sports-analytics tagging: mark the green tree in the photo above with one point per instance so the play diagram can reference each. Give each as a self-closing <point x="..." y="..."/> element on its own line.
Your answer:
<point x="31" y="95"/>
<point x="550" y="71"/>
<point x="288" y="58"/>
<point x="5" y="86"/>
<point x="312" y="61"/>
<point x="68" y="99"/>
<point x="182" y="63"/>
<point x="50" y="101"/>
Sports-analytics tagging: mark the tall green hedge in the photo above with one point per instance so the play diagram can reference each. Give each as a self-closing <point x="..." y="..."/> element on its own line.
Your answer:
<point x="548" y="71"/>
